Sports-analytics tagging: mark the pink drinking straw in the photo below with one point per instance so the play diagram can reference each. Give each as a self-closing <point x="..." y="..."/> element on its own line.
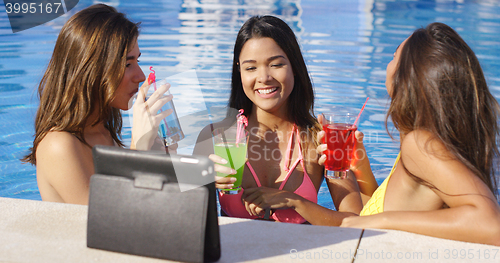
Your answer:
<point x="241" y="124"/>
<point x="152" y="80"/>
<point x="356" y="121"/>
<point x="152" y="77"/>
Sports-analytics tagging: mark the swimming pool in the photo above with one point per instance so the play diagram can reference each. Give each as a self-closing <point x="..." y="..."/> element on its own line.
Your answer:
<point x="346" y="43"/>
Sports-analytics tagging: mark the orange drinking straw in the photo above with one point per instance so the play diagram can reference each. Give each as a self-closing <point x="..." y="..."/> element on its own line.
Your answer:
<point x="356" y="121"/>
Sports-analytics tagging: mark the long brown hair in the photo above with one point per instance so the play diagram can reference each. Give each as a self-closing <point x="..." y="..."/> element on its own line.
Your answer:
<point x="301" y="100"/>
<point x="86" y="68"/>
<point x="439" y="87"/>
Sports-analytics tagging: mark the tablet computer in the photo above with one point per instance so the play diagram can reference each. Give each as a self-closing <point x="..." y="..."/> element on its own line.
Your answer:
<point x="139" y="204"/>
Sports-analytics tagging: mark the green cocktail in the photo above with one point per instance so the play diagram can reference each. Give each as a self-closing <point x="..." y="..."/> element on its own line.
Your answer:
<point x="234" y="150"/>
<point x="235" y="156"/>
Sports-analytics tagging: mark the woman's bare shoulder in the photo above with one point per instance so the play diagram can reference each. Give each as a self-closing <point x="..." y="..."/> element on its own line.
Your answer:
<point x="424" y="146"/>
<point x="426" y="157"/>
<point x="62" y="149"/>
<point x="64" y="166"/>
<point x="59" y="142"/>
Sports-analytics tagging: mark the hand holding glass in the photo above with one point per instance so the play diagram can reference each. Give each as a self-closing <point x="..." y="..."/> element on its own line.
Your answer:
<point x="170" y="129"/>
<point x="233" y="149"/>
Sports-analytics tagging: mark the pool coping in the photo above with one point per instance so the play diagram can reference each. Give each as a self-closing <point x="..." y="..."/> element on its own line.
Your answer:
<point x="36" y="231"/>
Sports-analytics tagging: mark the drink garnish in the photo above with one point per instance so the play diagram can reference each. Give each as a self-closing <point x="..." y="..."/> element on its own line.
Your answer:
<point x="241" y="124"/>
<point x="152" y="80"/>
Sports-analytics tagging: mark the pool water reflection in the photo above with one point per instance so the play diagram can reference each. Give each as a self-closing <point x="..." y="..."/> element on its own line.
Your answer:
<point x="347" y="45"/>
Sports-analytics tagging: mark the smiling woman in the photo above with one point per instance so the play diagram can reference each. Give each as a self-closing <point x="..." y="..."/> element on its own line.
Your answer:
<point x="92" y="75"/>
<point x="266" y="74"/>
<point x="282" y="176"/>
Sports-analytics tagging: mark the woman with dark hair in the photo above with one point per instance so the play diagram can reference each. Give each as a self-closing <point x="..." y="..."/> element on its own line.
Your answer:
<point x="92" y="75"/>
<point x="443" y="183"/>
<point x="270" y="82"/>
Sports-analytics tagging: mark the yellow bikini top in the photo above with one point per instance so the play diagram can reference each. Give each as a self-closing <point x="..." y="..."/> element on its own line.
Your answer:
<point x="376" y="203"/>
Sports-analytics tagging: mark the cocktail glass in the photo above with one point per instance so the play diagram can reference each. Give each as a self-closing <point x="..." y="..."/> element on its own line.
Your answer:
<point x="233" y="148"/>
<point x="339" y="137"/>
<point x="170" y="130"/>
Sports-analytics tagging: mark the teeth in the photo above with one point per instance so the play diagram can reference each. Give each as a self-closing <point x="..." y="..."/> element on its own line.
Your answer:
<point x="267" y="91"/>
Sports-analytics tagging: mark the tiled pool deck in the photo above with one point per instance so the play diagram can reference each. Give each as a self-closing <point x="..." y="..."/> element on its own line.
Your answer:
<point x="35" y="231"/>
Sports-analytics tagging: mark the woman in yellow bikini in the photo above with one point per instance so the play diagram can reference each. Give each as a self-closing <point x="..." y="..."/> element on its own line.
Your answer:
<point x="443" y="182"/>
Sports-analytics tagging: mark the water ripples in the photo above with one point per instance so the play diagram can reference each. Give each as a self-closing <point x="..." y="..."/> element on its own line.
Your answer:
<point x="347" y="45"/>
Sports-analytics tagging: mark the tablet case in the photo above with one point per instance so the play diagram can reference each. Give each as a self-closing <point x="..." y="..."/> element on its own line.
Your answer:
<point x="136" y="206"/>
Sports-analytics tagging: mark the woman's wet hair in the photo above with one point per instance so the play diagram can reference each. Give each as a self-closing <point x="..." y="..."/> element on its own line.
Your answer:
<point x="301" y="100"/>
<point x="439" y="86"/>
<point x="85" y="70"/>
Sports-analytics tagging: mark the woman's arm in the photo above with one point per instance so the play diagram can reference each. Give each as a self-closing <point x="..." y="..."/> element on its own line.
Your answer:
<point x="345" y="194"/>
<point x="259" y="199"/>
<point x="458" y="223"/>
<point x="64" y="166"/>
<point x="361" y="168"/>
<point x="473" y="214"/>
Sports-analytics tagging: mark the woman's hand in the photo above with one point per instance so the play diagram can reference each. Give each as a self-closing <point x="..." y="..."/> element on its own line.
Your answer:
<point x="321" y="148"/>
<point x="222" y="182"/>
<point x="146" y="118"/>
<point x="258" y="199"/>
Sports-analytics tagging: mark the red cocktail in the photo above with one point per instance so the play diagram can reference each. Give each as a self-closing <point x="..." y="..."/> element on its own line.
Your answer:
<point x="339" y="137"/>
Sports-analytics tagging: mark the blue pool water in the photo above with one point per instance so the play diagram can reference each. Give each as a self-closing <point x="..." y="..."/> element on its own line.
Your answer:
<point x="346" y="43"/>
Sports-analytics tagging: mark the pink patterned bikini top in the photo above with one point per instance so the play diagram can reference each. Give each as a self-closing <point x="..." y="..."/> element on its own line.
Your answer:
<point x="233" y="206"/>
